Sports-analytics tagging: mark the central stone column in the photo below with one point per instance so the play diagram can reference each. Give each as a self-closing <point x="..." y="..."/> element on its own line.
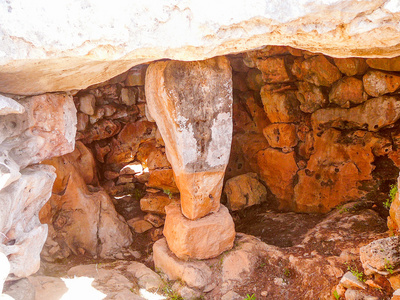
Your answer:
<point x="191" y="103"/>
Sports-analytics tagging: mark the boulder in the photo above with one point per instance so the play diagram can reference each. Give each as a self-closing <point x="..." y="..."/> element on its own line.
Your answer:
<point x="278" y="170"/>
<point x="372" y="115"/>
<point x="280" y="106"/>
<point x="198" y="239"/>
<point x="23" y="235"/>
<point x="378" y="83"/>
<point x="274" y="69"/>
<point x="197" y="141"/>
<point x="281" y="135"/>
<point x="244" y="190"/>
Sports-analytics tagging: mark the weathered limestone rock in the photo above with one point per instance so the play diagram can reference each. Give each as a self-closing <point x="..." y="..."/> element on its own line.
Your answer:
<point x="202" y="238"/>
<point x="10" y="106"/>
<point x="274" y="69"/>
<point x="277" y="170"/>
<point x="371" y="115"/>
<point x="196" y="274"/>
<point x="351" y="66"/>
<point x="335" y="170"/>
<point x="377" y="83"/>
<point x="87" y="104"/>
<point x="310" y="96"/>
<point x="381" y="255"/>
<point x="156" y="202"/>
<point x="23" y="235"/>
<point x="163" y="179"/>
<point x="280" y="107"/>
<point x="350" y="281"/>
<point x="85" y="221"/>
<point x="46" y="129"/>
<point x="281" y="135"/>
<point x="317" y="70"/>
<point x="244" y="190"/>
<point x="346" y="91"/>
<point x="192" y="105"/>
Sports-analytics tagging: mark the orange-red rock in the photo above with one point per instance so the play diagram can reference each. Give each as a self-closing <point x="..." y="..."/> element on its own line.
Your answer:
<point x="281" y="107"/>
<point x="136" y="76"/>
<point x="351" y="66"/>
<point x="371" y="115"/>
<point x="273" y="69"/>
<point x="163" y="179"/>
<point x="346" y="91"/>
<point x="310" y="96"/>
<point x="317" y="70"/>
<point x="156" y="202"/>
<point x="394" y="213"/>
<point x="256" y="110"/>
<point x="378" y="83"/>
<point x="101" y="130"/>
<point x="386" y="64"/>
<point x="192" y="105"/>
<point x="254" y="79"/>
<point x="157" y="160"/>
<point x="280" y="135"/>
<point x="277" y="170"/>
<point x="198" y="239"/>
<point x="244" y="190"/>
<point x="335" y="170"/>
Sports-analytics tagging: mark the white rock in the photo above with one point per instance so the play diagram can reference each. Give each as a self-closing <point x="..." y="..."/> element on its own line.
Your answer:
<point x="147" y="278"/>
<point x="10" y="106"/>
<point x="350" y="281"/>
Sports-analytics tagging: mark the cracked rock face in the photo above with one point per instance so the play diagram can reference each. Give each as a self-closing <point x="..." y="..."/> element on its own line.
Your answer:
<point x="191" y="103"/>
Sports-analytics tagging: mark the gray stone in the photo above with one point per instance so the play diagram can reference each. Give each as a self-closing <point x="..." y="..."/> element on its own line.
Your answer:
<point x="381" y="256"/>
<point x="185" y="292"/>
<point x="147" y="278"/>
<point x="350" y="281"/>
<point x="352" y="294"/>
<point x="231" y="295"/>
<point x="21" y="289"/>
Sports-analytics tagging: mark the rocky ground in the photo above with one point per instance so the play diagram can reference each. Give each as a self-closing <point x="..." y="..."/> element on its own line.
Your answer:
<point x="288" y="256"/>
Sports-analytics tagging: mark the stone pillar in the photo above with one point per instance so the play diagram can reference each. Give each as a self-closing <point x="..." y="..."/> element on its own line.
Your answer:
<point x="191" y="103"/>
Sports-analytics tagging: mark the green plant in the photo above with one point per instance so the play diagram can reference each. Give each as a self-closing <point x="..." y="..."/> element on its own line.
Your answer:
<point x="355" y="272"/>
<point x="287" y="272"/>
<point x="137" y="194"/>
<point x="336" y="295"/>
<point x="389" y="267"/>
<point x="392" y="195"/>
<point x="170" y="293"/>
<point x="168" y="192"/>
<point x="248" y="297"/>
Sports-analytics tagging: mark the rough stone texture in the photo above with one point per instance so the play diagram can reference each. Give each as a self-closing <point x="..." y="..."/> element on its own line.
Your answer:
<point x="371" y="115"/>
<point x="317" y="70"/>
<point x="385" y="64"/>
<point x="199" y="239"/>
<point x="310" y="96"/>
<point x="273" y="69"/>
<point x="192" y="105"/>
<point x="195" y="274"/>
<point x="280" y="107"/>
<point x="350" y="281"/>
<point x="351" y="66"/>
<point x="346" y="91"/>
<point x="281" y="135"/>
<point x="244" y="190"/>
<point x="335" y="170"/>
<point x="19" y="222"/>
<point x="46" y="129"/>
<point x="156" y="202"/>
<point x="10" y="106"/>
<point x="377" y="256"/>
<point x="377" y="83"/>
<point x="72" y="54"/>
<point x="277" y="170"/>
<point x="83" y="220"/>
<point x="394" y="213"/>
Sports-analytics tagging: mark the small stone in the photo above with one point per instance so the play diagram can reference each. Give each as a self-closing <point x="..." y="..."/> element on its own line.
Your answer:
<point x="147" y="278"/>
<point x="378" y="83"/>
<point x="395" y="281"/>
<point x="185" y="292"/>
<point x="351" y="66"/>
<point x="110" y="175"/>
<point x="350" y="281"/>
<point x="97" y="115"/>
<point x="264" y="293"/>
<point x="87" y="104"/>
<point x="396" y="295"/>
<point x="154" y="220"/>
<point x="351" y="294"/>
<point x="122" y="179"/>
<point x="281" y="135"/>
<point x="157" y="160"/>
<point x="231" y="295"/>
<point x="202" y="238"/>
<point x="254" y="79"/>
<point x="140" y="226"/>
<point x="244" y="191"/>
<point x="82" y="121"/>
<point x="10" y="106"/>
<point x="128" y="96"/>
<point x="386" y="64"/>
<point x="156" y="234"/>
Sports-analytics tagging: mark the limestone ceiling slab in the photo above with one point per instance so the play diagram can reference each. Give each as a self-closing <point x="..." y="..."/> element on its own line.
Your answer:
<point x="71" y="44"/>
